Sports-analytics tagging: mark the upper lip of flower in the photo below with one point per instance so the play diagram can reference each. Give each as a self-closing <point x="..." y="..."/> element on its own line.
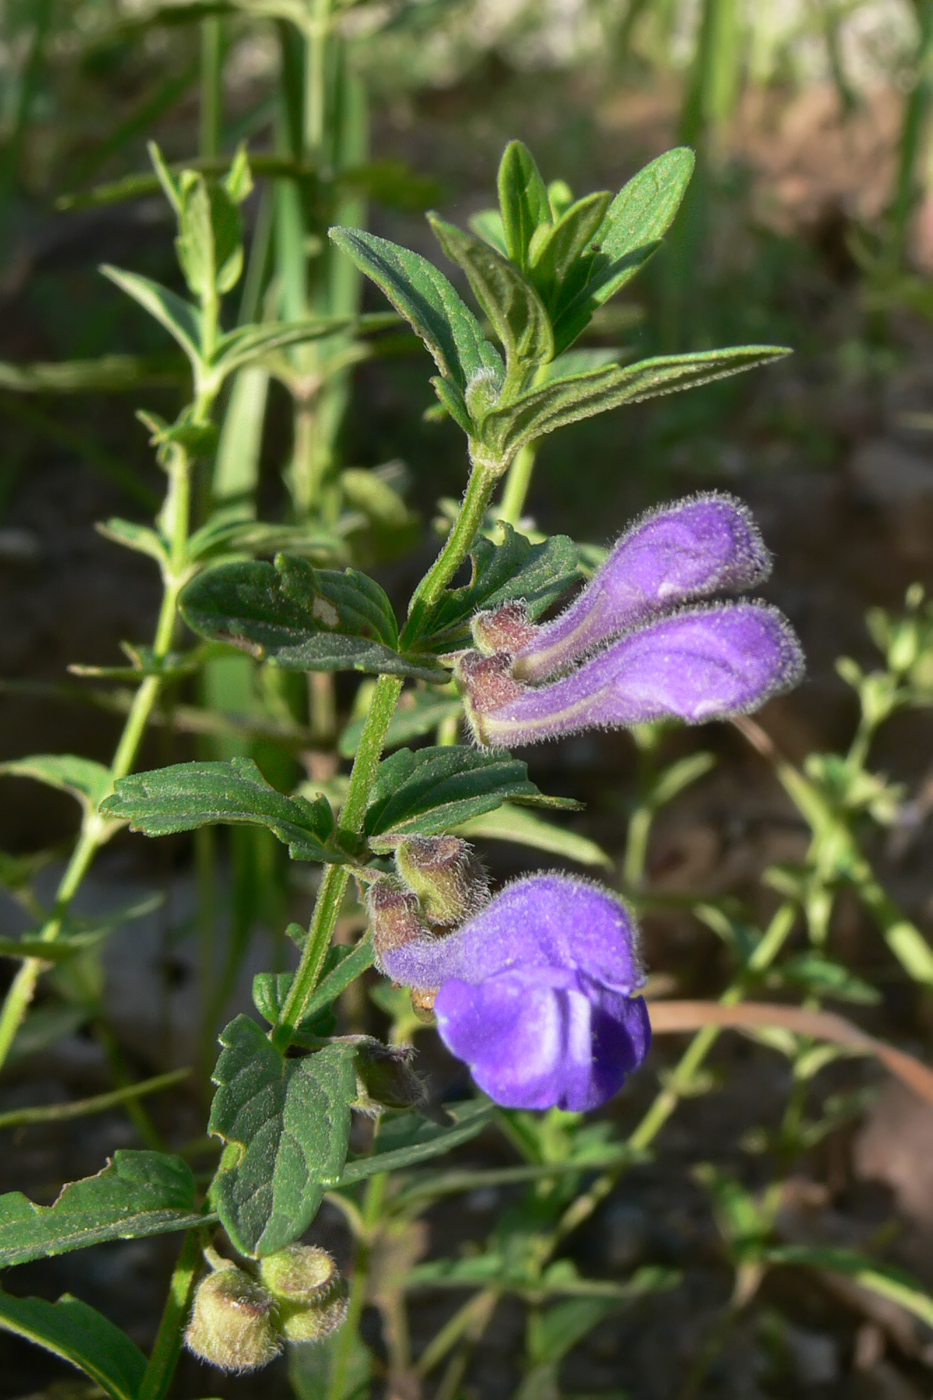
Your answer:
<point x="628" y="650"/>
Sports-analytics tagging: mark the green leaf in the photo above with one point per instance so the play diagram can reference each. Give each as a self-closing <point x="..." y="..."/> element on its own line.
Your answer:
<point x="209" y="242"/>
<point x="136" y="1194"/>
<point x="286" y="1123"/>
<point x="310" y="1368"/>
<point x="888" y="1282"/>
<point x="823" y="977"/>
<point x="408" y="1139"/>
<point x="46" y="1025"/>
<point x="179" y="317"/>
<point x="80" y="1335"/>
<point x="561" y="261"/>
<point x="85" y="779"/>
<point x="523" y="200"/>
<point x="431" y="790"/>
<point x="636" y="220"/>
<point x="108" y="374"/>
<point x="343" y="966"/>
<point x="510" y="823"/>
<point x="417" y="713"/>
<point x="246" y="344"/>
<point x="139" y="538"/>
<point x="488" y="224"/>
<point x="516" y="568"/>
<point x="511" y="303"/>
<point x="186" y="796"/>
<point x="423" y="295"/>
<point x="553" y="1332"/>
<point x="76" y="935"/>
<point x="583" y="395"/>
<point x="301" y="618"/>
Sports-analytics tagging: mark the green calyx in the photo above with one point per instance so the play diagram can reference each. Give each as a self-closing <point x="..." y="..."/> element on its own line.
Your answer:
<point x="309" y="1292"/>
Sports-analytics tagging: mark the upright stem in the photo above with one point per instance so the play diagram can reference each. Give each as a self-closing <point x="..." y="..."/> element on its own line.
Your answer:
<point x="372" y="1209"/>
<point x="369" y="752"/>
<point x="517" y="484"/>
<point x="96" y="830"/>
<point x="211" y="86"/>
<point x="165" y="1352"/>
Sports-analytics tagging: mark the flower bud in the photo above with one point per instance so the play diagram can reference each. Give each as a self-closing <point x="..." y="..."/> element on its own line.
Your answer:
<point x="394" y="916"/>
<point x="310" y="1293"/>
<point x="505" y="629"/>
<point x="486" y="683"/>
<point x="232" y="1322"/>
<point x="385" y="1079"/>
<point x="445" y="875"/>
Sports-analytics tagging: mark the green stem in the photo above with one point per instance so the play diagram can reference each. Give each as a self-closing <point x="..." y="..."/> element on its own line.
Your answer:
<point x="372" y="1210"/>
<point x="336" y="877"/>
<point x="517" y="484"/>
<point x="83" y="1108"/>
<point x="167" y="1346"/>
<point x="96" y="830"/>
<point x="475" y="500"/>
<point x="211" y="86"/>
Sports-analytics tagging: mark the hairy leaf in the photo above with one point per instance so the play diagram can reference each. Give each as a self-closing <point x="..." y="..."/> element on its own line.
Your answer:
<point x="431" y="790"/>
<point x="562" y="261"/>
<point x="286" y="1123"/>
<point x="516" y="568"/>
<point x="583" y="395"/>
<point x="80" y="1335"/>
<point x="343" y="966"/>
<point x="511" y="303"/>
<point x="423" y="295"/>
<point x="522" y="199"/>
<point x="179" y="317"/>
<point x="185" y="796"/>
<point x="84" y="778"/>
<point x="301" y="618"/>
<point x="407" y="1139"/>
<point x="136" y="1194"/>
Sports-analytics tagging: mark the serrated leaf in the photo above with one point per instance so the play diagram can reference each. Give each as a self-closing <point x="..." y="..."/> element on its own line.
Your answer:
<point x="343" y="966"/>
<point x="407" y="1139"/>
<point x="180" y="318"/>
<point x="423" y="295"/>
<point x="523" y="200"/>
<point x="636" y="220"/>
<point x="301" y="618"/>
<point x="186" y="796"/>
<point x="286" y="1123"/>
<point x="510" y="823"/>
<point x="516" y="568"/>
<point x="562" y="261"/>
<point x="583" y="395"/>
<point x="136" y="1194"/>
<point x="431" y="790"/>
<point x="84" y="778"/>
<point x="80" y="1335"/>
<point x="514" y="309"/>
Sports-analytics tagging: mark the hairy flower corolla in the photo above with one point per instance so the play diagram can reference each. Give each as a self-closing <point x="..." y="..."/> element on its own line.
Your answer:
<point x="538" y="992"/>
<point x="637" y="645"/>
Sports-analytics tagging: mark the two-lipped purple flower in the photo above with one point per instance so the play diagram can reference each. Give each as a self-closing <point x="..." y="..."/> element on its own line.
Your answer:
<point x="538" y="993"/>
<point x="637" y="644"/>
<point x="539" y="990"/>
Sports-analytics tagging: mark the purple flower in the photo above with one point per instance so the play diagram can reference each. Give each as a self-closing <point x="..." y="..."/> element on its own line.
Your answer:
<point x="537" y="993"/>
<point x="691" y="663"/>
<point x="706" y="544"/>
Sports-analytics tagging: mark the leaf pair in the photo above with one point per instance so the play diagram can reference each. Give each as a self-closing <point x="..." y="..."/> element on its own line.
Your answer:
<point x="540" y="269"/>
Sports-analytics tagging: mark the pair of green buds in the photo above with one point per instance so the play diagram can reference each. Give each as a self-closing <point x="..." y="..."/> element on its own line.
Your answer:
<point x="239" y="1320"/>
<point x="439" y="884"/>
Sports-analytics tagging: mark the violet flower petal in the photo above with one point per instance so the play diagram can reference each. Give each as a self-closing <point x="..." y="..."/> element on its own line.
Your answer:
<point x="700" y="664"/>
<point x="536" y="993"/>
<point x="534" y="1046"/>
<point x="689" y="550"/>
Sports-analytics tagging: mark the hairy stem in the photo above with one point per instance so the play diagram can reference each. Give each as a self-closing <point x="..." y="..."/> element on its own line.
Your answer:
<point x="167" y="1348"/>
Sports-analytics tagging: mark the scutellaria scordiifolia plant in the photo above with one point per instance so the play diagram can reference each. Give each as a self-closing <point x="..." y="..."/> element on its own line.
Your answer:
<point x="536" y="986"/>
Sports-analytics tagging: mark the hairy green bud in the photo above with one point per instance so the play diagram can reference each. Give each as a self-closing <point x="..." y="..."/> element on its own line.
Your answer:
<point x="310" y="1293"/>
<point x="232" y="1323"/>
<point x="445" y="875"/>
